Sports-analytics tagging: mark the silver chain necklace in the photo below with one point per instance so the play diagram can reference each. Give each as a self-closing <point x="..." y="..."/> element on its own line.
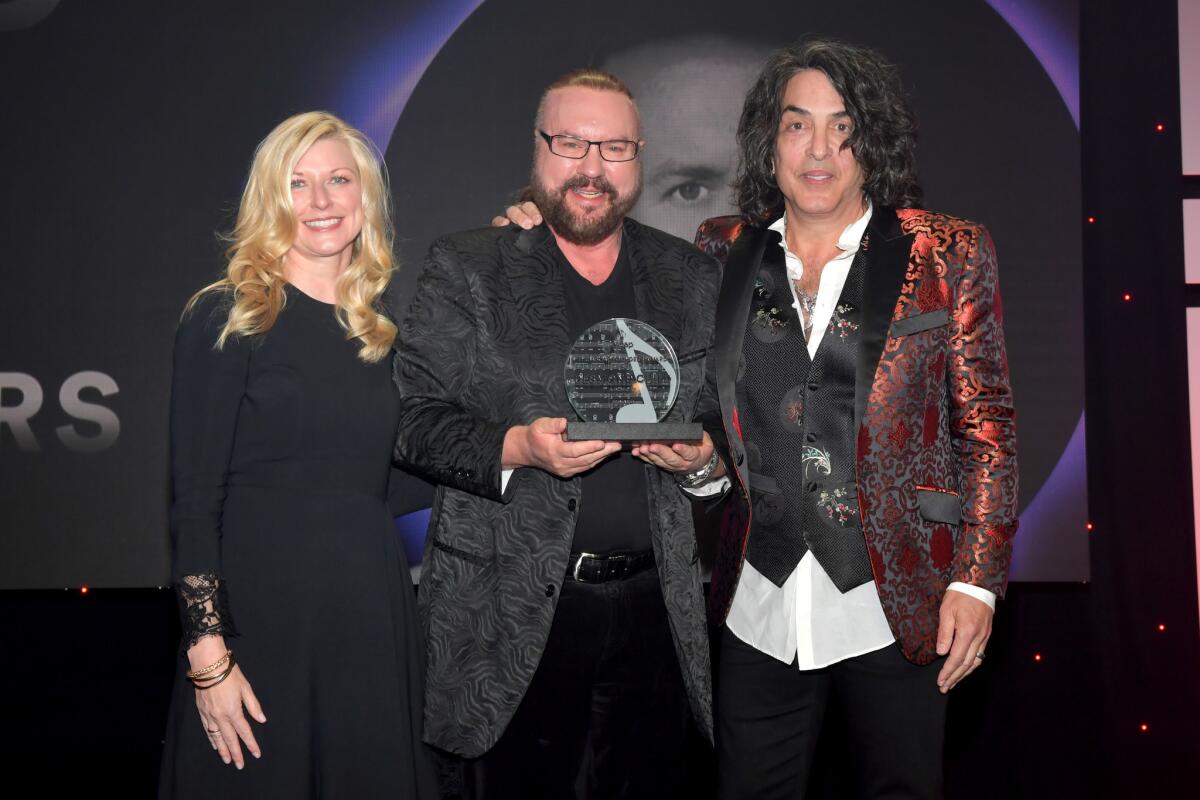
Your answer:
<point x="808" y="305"/>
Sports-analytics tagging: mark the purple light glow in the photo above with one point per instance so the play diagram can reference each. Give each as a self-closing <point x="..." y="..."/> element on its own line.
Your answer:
<point x="375" y="94"/>
<point x="1051" y="35"/>
<point x="1049" y="30"/>
<point x="1032" y="562"/>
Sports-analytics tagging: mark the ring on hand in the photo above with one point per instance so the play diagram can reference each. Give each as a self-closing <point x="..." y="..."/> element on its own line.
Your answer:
<point x="979" y="655"/>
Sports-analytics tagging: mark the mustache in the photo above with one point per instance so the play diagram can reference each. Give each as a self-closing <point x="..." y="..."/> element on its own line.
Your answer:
<point x="598" y="184"/>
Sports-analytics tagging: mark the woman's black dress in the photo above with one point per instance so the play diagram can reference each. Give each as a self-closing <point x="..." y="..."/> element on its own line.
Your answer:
<point x="281" y="447"/>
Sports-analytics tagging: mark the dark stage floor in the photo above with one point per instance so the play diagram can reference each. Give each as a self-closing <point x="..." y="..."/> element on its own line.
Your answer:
<point x="87" y="678"/>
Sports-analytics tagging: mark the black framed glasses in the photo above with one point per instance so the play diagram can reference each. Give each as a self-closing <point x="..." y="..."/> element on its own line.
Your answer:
<point x="568" y="146"/>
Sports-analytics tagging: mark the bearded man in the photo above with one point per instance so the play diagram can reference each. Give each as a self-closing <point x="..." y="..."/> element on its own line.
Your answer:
<point x="561" y="593"/>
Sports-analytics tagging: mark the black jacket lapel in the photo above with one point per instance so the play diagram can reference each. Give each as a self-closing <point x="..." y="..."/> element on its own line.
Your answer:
<point x="886" y="263"/>
<point x="528" y="261"/>
<point x="658" y="287"/>
<point x="733" y="308"/>
<point x="733" y="305"/>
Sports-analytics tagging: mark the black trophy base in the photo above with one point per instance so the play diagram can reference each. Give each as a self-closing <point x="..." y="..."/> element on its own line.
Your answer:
<point x="635" y="431"/>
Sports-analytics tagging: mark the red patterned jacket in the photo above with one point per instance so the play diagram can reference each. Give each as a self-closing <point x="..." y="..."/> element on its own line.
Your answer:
<point x="936" y="455"/>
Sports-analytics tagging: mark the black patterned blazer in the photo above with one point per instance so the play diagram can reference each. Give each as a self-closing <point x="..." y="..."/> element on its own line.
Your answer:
<point x="482" y="349"/>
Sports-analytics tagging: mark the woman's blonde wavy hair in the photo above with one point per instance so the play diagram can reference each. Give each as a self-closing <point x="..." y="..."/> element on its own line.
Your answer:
<point x="266" y="229"/>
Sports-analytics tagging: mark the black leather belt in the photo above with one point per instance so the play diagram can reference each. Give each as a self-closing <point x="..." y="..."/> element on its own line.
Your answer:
<point x="593" y="568"/>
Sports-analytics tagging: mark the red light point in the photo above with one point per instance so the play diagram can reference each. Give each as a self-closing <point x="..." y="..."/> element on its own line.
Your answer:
<point x="1159" y="127"/>
<point x="83" y="590"/>
<point x="1037" y="656"/>
<point x="1128" y="297"/>
<point x="1143" y="727"/>
<point x="1091" y="220"/>
<point x="1090" y="526"/>
<point x="1162" y="628"/>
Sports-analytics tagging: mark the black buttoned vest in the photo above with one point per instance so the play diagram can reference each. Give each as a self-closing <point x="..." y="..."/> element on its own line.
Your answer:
<point x="797" y="419"/>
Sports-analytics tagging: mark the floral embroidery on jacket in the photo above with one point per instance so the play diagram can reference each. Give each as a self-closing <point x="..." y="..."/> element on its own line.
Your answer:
<point x="767" y="313"/>
<point x="839" y="324"/>
<point x="837" y="505"/>
<point x="815" y="457"/>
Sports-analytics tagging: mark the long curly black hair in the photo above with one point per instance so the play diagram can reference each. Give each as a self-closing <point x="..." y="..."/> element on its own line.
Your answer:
<point x="883" y="140"/>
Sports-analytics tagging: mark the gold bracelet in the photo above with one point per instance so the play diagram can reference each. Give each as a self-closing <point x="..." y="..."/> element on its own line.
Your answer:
<point x="197" y="673"/>
<point x="212" y="680"/>
<point x="216" y="679"/>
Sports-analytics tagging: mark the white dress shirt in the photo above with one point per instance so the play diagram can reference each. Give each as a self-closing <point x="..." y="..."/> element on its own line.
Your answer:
<point x="807" y="618"/>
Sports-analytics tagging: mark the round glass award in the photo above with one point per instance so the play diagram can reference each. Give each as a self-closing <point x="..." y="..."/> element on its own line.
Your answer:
<point x="622" y="378"/>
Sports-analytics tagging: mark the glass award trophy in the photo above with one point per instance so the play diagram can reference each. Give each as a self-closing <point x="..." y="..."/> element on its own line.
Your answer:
<point x="622" y="378"/>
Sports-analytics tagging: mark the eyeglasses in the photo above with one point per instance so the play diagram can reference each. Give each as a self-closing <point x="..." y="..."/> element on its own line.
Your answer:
<point x="568" y="146"/>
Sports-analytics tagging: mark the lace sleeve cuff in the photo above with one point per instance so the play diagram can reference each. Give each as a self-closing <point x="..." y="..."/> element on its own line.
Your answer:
<point x="203" y="608"/>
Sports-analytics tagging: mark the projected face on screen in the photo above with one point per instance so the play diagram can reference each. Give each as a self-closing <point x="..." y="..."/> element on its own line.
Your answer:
<point x="460" y="153"/>
<point x="690" y="93"/>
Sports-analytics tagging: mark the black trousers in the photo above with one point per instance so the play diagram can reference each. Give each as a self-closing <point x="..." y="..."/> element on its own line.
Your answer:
<point x="606" y="714"/>
<point x="769" y="716"/>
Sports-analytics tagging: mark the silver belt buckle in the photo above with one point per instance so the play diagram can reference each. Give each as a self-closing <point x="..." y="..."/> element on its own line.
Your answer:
<point x="579" y="563"/>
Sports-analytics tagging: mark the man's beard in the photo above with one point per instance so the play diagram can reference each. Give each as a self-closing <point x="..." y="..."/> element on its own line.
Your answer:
<point x="588" y="230"/>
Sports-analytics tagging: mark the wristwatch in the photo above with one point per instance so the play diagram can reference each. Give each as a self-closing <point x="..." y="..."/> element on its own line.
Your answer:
<point x="690" y="480"/>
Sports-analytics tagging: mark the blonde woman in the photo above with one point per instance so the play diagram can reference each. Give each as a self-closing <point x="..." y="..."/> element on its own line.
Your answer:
<point x="301" y="673"/>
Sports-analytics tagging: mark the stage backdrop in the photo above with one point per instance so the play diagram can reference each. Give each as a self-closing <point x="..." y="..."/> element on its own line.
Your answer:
<point x="129" y="129"/>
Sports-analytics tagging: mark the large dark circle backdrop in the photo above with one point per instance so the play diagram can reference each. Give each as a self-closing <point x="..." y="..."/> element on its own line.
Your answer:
<point x="997" y="145"/>
<point x="128" y="139"/>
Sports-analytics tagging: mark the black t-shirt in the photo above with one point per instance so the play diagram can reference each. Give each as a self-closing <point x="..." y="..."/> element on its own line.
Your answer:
<point x="614" y="514"/>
